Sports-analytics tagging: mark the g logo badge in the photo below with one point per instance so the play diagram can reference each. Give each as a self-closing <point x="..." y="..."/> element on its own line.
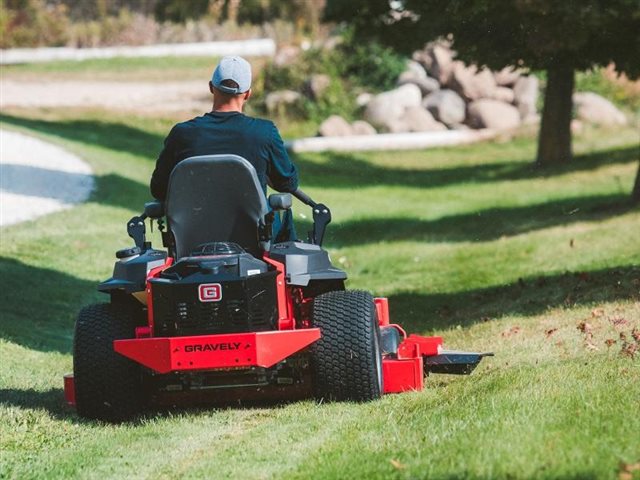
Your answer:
<point x="210" y="292"/>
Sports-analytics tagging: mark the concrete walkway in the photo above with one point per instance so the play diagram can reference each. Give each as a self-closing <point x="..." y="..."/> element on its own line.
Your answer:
<point x="38" y="178"/>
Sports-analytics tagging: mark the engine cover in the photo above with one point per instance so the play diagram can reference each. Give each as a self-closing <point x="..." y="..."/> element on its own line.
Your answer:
<point x="211" y="294"/>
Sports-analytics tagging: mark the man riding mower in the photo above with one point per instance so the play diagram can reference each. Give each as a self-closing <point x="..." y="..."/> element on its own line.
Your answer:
<point x="227" y="315"/>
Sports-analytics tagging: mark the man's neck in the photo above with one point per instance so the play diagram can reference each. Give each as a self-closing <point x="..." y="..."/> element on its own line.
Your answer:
<point x="227" y="107"/>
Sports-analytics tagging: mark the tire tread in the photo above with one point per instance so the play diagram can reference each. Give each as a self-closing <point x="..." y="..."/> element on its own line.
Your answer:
<point x="343" y="359"/>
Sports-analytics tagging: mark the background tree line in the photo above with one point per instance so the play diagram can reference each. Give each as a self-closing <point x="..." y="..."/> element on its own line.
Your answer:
<point x="32" y="23"/>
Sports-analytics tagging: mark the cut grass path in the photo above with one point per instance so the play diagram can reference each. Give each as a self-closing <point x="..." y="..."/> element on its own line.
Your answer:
<point x="470" y="243"/>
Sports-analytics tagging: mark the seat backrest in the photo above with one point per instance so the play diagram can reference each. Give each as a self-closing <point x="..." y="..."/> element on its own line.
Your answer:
<point x="215" y="198"/>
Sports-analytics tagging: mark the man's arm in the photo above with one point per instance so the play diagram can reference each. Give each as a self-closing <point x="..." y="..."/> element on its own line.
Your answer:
<point x="164" y="165"/>
<point x="281" y="172"/>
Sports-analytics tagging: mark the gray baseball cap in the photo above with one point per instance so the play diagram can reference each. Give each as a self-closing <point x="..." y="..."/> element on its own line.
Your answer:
<point x="232" y="68"/>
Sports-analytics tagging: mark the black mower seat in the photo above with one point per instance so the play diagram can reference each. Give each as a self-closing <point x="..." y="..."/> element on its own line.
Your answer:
<point x="215" y="198"/>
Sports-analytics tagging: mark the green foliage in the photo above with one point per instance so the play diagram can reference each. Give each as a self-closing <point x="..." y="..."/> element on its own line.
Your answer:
<point x="622" y="93"/>
<point x="32" y="23"/>
<point x="369" y="65"/>
<point x="352" y="67"/>
<point x="534" y="34"/>
<point x="180" y="11"/>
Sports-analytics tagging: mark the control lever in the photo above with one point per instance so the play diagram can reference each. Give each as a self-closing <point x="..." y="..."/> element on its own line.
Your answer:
<point x="321" y="217"/>
<point x="136" y="230"/>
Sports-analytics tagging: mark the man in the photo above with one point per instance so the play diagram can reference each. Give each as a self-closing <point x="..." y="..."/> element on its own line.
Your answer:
<point x="226" y="130"/>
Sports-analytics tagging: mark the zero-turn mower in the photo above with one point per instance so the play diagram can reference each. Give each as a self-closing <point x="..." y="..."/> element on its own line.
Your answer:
<point x="227" y="315"/>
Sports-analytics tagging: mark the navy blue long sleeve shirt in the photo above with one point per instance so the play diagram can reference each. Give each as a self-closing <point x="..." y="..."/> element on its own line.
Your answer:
<point x="254" y="139"/>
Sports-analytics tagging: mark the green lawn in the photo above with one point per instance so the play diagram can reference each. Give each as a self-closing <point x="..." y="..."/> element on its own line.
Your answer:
<point x="159" y="69"/>
<point x="471" y="243"/>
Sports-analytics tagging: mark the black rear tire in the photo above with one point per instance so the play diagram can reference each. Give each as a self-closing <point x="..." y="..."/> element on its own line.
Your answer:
<point x="347" y="360"/>
<point x="108" y="386"/>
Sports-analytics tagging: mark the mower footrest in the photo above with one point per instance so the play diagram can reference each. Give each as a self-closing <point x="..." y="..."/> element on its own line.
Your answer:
<point x="208" y="352"/>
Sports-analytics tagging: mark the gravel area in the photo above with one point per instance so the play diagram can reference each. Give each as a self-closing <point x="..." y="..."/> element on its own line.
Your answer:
<point x="38" y="178"/>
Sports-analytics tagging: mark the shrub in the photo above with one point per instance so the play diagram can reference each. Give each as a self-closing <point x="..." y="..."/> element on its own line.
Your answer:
<point x="605" y="81"/>
<point x="351" y="68"/>
<point x="369" y="65"/>
<point x="32" y="23"/>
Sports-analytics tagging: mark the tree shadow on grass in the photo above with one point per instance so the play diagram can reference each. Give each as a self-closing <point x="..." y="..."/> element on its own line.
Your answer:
<point x="337" y="170"/>
<point x="419" y="312"/>
<point x="114" y="136"/>
<point x="121" y="192"/>
<point x="481" y="226"/>
<point x="39" y="305"/>
<point x="341" y="170"/>
<point x="54" y="403"/>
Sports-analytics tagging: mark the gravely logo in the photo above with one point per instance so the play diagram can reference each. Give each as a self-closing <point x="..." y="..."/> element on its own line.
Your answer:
<point x="210" y="292"/>
<point x="213" y="347"/>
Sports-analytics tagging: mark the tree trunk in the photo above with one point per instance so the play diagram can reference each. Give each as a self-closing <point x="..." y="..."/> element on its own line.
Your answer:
<point x="635" y="195"/>
<point x="554" y="140"/>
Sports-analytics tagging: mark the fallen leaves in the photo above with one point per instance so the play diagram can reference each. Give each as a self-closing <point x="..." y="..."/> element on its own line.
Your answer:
<point x="626" y="470"/>
<point x="550" y="332"/>
<point x="609" y="342"/>
<point x="397" y="465"/>
<point x="585" y="328"/>
<point x="629" y="349"/>
<point x="629" y="341"/>
<point x="511" y="332"/>
<point x="589" y="345"/>
<point x="618" y="322"/>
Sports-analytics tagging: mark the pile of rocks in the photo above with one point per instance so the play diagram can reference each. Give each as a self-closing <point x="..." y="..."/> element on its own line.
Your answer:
<point x="437" y="92"/>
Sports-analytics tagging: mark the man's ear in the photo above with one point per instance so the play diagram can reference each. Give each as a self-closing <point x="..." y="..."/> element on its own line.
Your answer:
<point x="210" y="86"/>
<point x="247" y="94"/>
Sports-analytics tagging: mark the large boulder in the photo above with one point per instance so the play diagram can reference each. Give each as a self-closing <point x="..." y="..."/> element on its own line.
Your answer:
<point x="488" y="113"/>
<point x="416" y="69"/>
<point x="446" y="106"/>
<point x="507" y="77"/>
<point x="363" y="99"/>
<point x="360" y="127"/>
<point x="386" y="108"/>
<point x="423" y="57"/>
<point x="281" y="101"/>
<point x="424" y="83"/>
<point x="316" y="85"/>
<point x="503" y="94"/>
<point x="335" y="126"/>
<point x="592" y="108"/>
<point x="417" y="119"/>
<point x="525" y="93"/>
<point x="471" y="83"/>
<point x="440" y="63"/>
